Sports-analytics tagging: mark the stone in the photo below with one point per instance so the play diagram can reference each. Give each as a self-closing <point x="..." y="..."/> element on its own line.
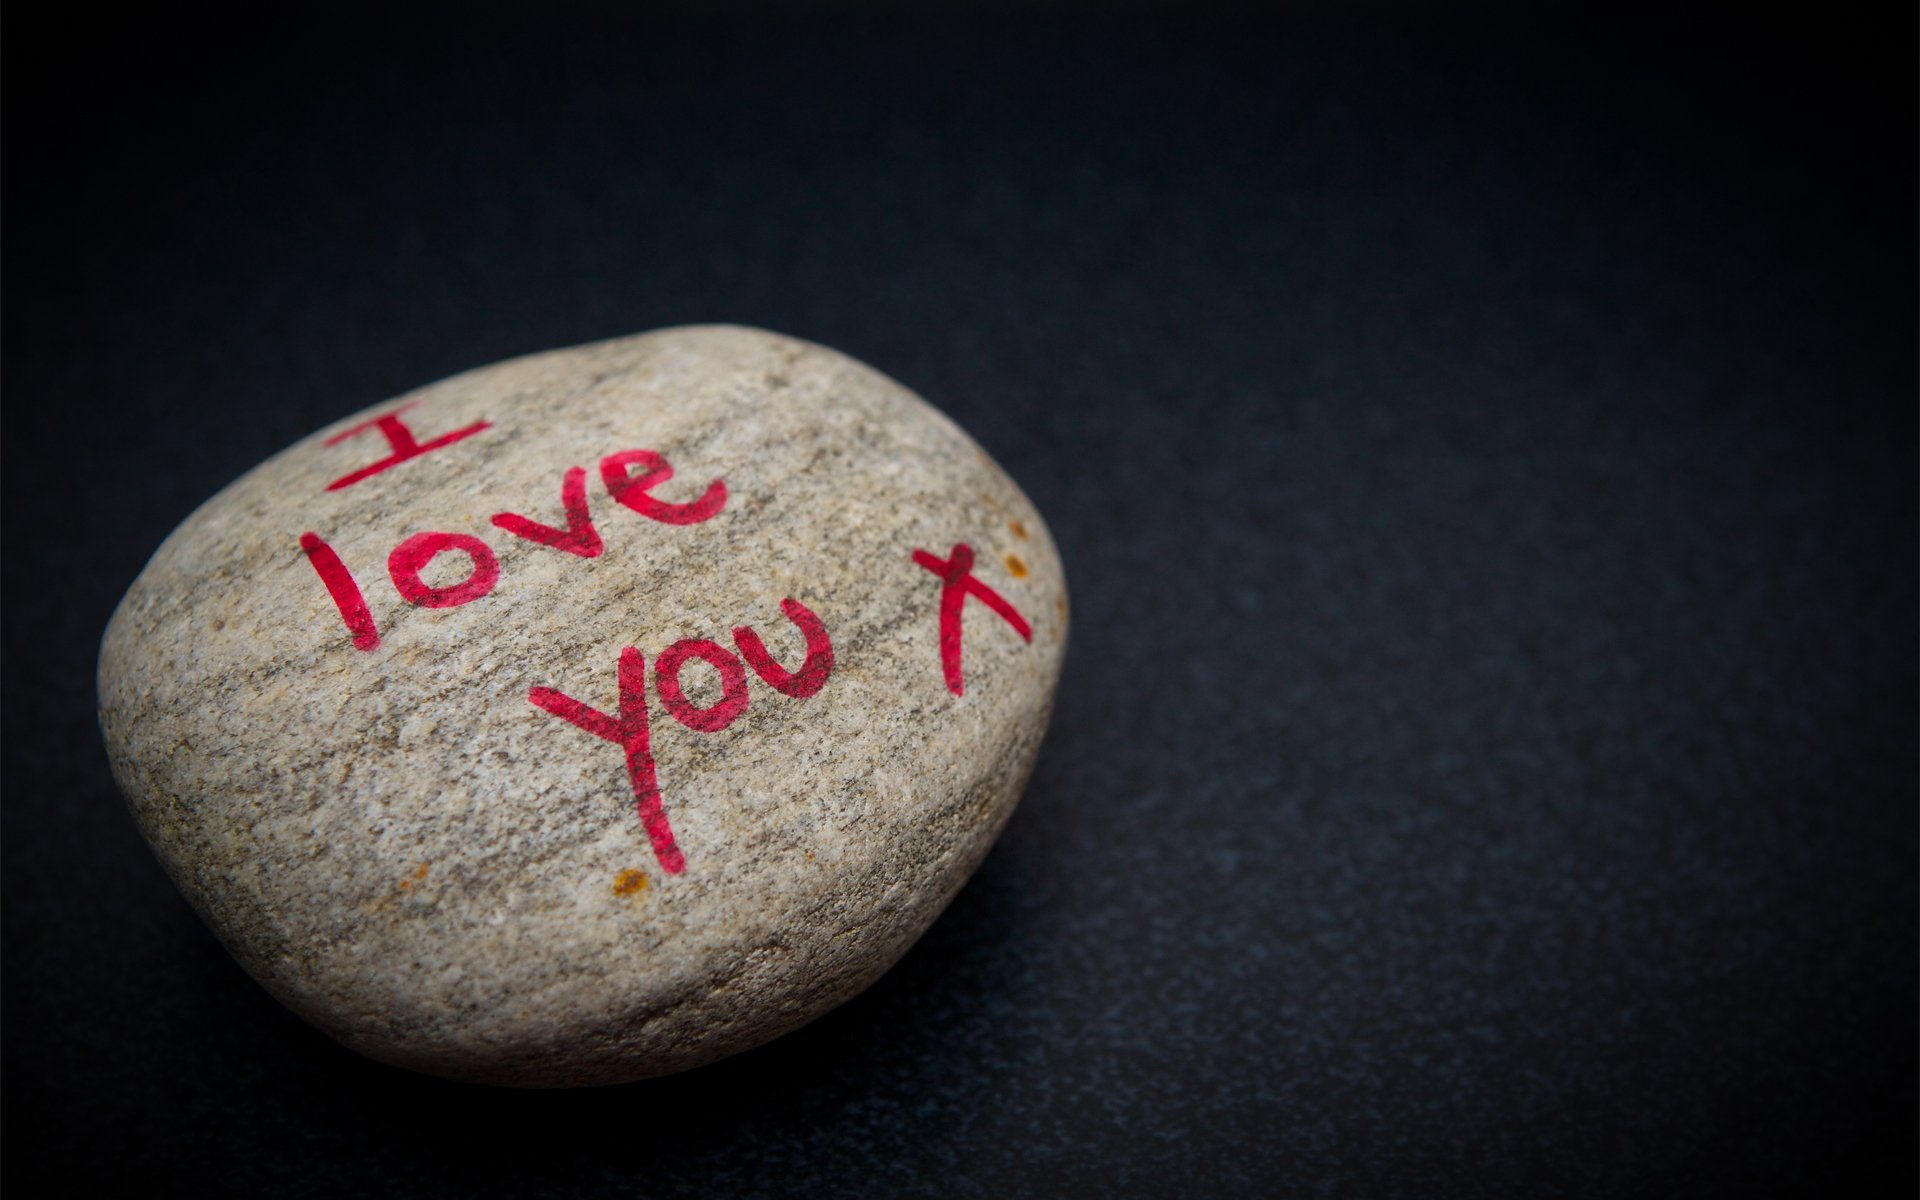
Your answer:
<point x="592" y="715"/>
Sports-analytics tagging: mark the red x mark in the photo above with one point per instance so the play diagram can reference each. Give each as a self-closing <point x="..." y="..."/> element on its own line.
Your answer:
<point x="956" y="584"/>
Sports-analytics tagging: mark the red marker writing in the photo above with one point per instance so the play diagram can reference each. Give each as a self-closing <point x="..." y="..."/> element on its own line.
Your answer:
<point x="956" y="584"/>
<point x="630" y="731"/>
<point x="345" y="592"/>
<point x="400" y="438"/>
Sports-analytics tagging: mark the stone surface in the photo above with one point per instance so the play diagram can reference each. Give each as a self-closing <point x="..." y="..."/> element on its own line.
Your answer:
<point x="402" y="813"/>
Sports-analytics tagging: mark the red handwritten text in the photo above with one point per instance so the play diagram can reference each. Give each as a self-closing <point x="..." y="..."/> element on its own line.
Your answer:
<point x="400" y="438"/>
<point x="812" y="673"/>
<point x="956" y="584"/>
<point x="733" y="685"/>
<point x="630" y="731"/>
<point x="579" y="537"/>
<point x="410" y="558"/>
<point x="405" y="563"/>
<point x="654" y="470"/>
<point x="345" y="592"/>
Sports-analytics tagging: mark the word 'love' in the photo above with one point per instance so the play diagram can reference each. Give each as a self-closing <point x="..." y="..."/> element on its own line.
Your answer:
<point x="408" y="561"/>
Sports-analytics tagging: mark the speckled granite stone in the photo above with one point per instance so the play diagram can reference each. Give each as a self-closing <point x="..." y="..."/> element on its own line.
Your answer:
<point x="397" y="733"/>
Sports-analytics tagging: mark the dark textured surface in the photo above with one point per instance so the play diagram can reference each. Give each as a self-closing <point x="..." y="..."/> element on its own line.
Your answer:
<point x="1484" y="457"/>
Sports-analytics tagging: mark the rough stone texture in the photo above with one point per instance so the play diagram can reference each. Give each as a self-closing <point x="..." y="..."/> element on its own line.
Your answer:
<point x="411" y="855"/>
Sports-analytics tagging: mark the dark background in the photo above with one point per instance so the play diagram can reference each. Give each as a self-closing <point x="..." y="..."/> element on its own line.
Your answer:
<point x="1483" y="451"/>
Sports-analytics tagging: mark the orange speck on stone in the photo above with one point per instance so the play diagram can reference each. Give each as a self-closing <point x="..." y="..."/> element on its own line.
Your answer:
<point x="1015" y="567"/>
<point x="1019" y="530"/>
<point x="630" y="883"/>
<point x="418" y="875"/>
